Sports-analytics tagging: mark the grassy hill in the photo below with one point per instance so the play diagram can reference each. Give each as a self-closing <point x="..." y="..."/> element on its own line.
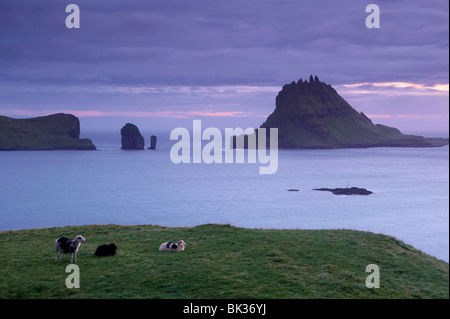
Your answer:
<point x="220" y="261"/>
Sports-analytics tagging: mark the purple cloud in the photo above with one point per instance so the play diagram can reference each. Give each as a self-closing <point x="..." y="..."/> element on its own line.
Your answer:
<point x="201" y="43"/>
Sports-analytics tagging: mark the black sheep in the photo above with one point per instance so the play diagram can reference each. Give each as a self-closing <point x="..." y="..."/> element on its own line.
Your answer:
<point x="106" y="250"/>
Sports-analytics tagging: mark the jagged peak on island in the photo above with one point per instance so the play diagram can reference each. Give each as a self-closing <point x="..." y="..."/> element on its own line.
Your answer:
<point x="312" y="115"/>
<point x="53" y="132"/>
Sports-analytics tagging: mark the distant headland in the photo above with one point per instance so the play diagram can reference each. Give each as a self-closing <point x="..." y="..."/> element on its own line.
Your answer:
<point x="53" y="132"/>
<point x="312" y="115"/>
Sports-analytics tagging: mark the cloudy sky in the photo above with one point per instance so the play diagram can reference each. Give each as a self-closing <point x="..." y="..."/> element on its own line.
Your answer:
<point x="163" y="63"/>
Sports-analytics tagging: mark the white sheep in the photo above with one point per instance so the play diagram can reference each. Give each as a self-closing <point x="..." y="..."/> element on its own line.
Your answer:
<point x="169" y="246"/>
<point x="68" y="246"/>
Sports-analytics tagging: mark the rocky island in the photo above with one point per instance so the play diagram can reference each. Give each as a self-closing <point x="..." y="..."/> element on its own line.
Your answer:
<point x="346" y="191"/>
<point x="53" y="132"/>
<point x="312" y="115"/>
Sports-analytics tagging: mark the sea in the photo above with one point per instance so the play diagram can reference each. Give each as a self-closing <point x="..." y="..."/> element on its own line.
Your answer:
<point x="410" y="186"/>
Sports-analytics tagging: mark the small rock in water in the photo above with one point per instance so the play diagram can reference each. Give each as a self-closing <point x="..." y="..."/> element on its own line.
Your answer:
<point x="346" y="191"/>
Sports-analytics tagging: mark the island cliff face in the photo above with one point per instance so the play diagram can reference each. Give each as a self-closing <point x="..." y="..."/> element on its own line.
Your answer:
<point x="54" y="132"/>
<point x="312" y="115"/>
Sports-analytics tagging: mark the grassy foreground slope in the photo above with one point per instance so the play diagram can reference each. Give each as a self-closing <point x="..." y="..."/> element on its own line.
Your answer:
<point x="220" y="261"/>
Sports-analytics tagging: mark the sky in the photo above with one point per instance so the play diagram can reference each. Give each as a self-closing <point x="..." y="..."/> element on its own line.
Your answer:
<point x="160" y="64"/>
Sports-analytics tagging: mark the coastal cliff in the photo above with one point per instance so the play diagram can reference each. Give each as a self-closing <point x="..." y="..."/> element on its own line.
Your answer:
<point x="53" y="132"/>
<point x="312" y="115"/>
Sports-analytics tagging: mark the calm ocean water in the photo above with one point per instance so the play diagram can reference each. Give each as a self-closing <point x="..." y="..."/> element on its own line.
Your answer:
<point x="59" y="188"/>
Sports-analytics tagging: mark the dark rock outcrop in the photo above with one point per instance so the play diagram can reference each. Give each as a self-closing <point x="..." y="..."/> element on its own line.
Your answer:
<point x="312" y="115"/>
<point x="346" y="191"/>
<point x="53" y="132"/>
<point x="131" y="138"/>
<point x="152" y="143"/>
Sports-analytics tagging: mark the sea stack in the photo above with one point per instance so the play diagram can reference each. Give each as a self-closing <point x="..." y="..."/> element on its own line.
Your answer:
<point x="312" y="115"/>
<point x="152" y="143"/>
<point x="131" y="138"/>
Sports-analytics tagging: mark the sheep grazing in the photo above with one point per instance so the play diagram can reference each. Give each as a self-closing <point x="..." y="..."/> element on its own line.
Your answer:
<point x="65" y="245"/>
<point x="169" y="246"/>
<point x="106" y="250"/>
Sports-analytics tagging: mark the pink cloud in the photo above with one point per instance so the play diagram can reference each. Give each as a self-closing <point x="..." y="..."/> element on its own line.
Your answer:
<point x="394" y="88"/>
<point x="212" y="113"/>
<point x="380" y="116"/>
<point x="95" y="113"/>
<point x="437" y="87"/>
<point x="418" y="116"/>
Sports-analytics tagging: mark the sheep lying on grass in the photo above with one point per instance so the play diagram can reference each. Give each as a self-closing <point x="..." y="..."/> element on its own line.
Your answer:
<point x="169" y="246"/>
<point x="106" y="250"/>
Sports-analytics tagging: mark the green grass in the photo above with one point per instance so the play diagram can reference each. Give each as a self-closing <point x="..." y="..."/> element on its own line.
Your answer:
<point x="220" y="261"/>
